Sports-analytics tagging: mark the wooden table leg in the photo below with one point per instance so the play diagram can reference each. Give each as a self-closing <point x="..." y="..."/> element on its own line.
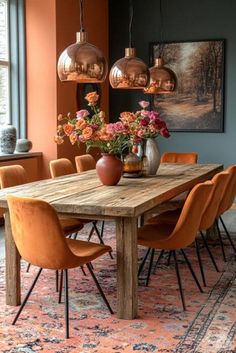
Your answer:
<point x="127" y="280"/>
<point x="13" y="289"/>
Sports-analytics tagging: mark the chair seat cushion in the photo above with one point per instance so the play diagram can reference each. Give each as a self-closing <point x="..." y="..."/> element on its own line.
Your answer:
<point x="169" y="217"/>
<point x="156" y="236"/>
<point x="71" y="225"/>
<point x="87" y="251"/>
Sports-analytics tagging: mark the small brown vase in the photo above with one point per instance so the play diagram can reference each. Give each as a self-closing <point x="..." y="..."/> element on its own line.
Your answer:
<point x="109" y="169"/>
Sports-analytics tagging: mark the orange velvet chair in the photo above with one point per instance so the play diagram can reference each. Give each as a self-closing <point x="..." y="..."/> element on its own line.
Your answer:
<point x="179" y="157"/>
<point x="170" y="237"/>
<point x="220" y="183"/>
<point x="84" y="163"/>
<point x="225" y="204"/>
<point x="40" y="240"/>
<point x="63" y="166"/>
<point x="16" y="175"/>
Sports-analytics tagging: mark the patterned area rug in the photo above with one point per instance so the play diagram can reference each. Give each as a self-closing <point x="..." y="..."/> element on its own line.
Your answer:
<point x="208" y="325"/>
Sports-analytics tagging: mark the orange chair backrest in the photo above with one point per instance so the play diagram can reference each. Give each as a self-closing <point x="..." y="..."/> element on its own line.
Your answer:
<point x="189" y="220"/>
<point x="220" y="182"/>
<point x="230" y="192"/>
<point x="85" y="162"/>
<point x="12" y="175"/>
<point x="37" y="233"/>
<point x="179" y="157"/>
<point x="60" y="167"/>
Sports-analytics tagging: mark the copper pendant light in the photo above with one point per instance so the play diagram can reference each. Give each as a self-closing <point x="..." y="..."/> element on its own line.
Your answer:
<point x="129" y="72"/>
<point x="82" y="62"/>
<point x="162" y="79"/>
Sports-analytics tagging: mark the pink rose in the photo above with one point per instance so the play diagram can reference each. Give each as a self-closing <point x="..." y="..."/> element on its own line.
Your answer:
<point x="82" y="114"/>
<point x="143" y="104"/>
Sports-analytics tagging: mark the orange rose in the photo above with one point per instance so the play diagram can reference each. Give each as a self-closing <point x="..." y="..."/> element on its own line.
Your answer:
<point x="73" y="138"/>
<point x="87" y="133"/>
<point x="80" y="124"/>
<point x="127" y="116"/>
<point x="68" y="129"/>
<point x="92" y="98"/>
<point x="58" y="139"/>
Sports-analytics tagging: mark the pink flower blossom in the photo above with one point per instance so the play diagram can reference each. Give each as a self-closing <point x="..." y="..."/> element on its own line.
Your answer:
<point x="82" y="114"/>
<point x="144" y="104"/>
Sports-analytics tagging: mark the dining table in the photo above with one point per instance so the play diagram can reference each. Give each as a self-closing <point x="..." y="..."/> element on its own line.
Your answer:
<point x="82" y="195"/>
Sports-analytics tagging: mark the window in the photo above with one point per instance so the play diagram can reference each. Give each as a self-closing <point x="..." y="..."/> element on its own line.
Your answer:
<point x="4" y="64"/>
<point x="12" y="65"/>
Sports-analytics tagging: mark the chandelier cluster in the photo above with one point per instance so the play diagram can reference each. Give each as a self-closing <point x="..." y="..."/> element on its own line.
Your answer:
<point x="83" y="62"/>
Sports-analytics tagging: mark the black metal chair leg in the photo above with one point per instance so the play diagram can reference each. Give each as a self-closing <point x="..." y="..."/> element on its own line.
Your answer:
<point x="100" y="237"/>
<point x="99" y="288"/>
<point x="28" y="267"/>
<point x="66" y="302"/>
<point x="75" y="235"/>
<point x="143" y="261"/>
<point x="227" y="234"/>
<point x="200" y="263"/>
<point x="91" y="231"/>
<point x="60" y="288"/>
<point x="209" y="252"/>
<point x="82" y="269"/>
<point x="150" y="267"/>
<point x="221" y="241"/>
<point x="179" y="280"/>
<point x="27" y="296"/>
<point x="159" y="259"/>
<point x="191" y="270"/>
<point x="57" y="281"/>
<point x="102" y="228"/>
<point x="169" y="257"/>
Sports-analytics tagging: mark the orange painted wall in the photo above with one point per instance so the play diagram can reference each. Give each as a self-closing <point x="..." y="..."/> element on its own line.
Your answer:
<point x="41" y="78"/>
<point x="51" y="26"/>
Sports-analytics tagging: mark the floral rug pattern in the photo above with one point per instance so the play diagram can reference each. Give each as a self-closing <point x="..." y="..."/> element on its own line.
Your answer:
<point x="208" y="324"/>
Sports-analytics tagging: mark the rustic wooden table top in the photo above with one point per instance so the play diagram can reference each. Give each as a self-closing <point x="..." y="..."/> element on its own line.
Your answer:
<point x="84" y="194"/>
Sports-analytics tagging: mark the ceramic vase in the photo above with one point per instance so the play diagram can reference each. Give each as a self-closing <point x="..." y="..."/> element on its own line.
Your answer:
<point x="109" y="169"/>
<point x="8" y="139"/>
<point x="23" y="145"/>
<point x="151" y="156"/>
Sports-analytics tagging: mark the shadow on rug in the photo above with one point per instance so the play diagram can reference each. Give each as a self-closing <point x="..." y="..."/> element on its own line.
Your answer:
<point x="208" y="325"/>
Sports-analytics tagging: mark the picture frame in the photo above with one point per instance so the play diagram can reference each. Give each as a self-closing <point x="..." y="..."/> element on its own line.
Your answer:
<point x="197" y="105"/>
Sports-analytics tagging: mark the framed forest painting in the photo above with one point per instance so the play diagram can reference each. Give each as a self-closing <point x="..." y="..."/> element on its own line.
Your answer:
<point x="198" y="103"/>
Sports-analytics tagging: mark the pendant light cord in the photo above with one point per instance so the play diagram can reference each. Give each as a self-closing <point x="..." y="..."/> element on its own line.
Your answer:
<point x="81" y="16"/>
<point x="161" y="30"/>
<point x="131" y="15"/>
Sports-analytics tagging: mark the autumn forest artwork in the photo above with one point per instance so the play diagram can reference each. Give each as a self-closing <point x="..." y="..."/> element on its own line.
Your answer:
<point x="197" y="104"/>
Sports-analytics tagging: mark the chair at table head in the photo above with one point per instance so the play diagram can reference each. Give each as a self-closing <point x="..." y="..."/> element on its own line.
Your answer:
<point x="12" y="175"/>
<point x="60" y="167"/>
<point x="85" y="162"/>
<point x="179" y="157"/>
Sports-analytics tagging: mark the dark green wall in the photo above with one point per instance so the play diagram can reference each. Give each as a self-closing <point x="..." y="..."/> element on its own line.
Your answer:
<point x="183" y="20"/>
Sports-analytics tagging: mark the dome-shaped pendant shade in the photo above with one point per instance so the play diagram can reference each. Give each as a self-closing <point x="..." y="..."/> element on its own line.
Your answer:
<point x="162" y="79"/>
<point x="129" y="72"/>
<point x="82" y="62"/>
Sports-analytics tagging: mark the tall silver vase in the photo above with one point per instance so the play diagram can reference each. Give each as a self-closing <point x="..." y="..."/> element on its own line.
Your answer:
<point x="7" y="139"/>
<point x="152" y="155"/>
